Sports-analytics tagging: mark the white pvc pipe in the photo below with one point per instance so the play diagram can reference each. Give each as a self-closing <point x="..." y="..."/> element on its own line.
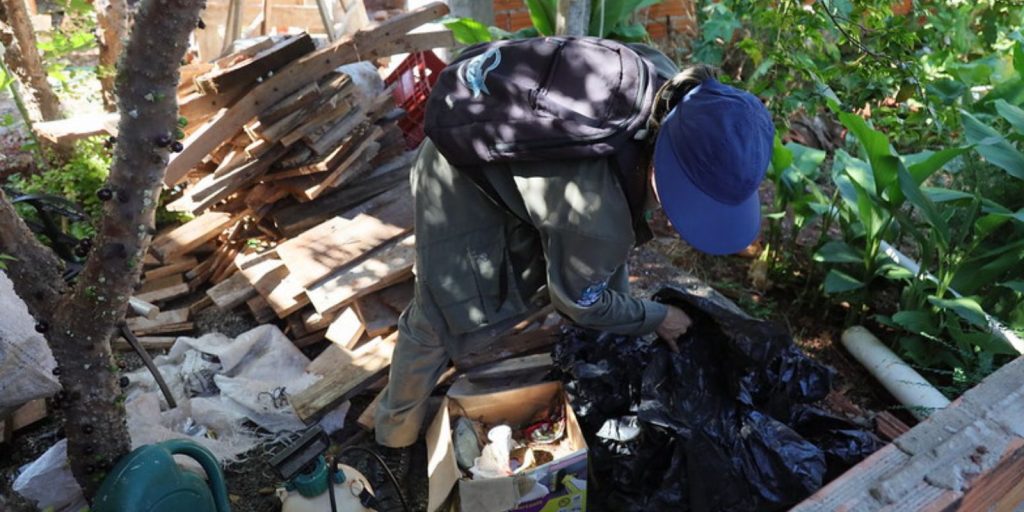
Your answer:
<point x="902" y="381"/>
<point x="994" y="325"/>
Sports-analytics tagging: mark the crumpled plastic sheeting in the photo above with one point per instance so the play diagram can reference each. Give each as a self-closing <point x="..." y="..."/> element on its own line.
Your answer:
<point x="48" y="482"/>
<point x="26" y="364"/>
<point x="725" y="424"/>
<point x="220" y="384"/>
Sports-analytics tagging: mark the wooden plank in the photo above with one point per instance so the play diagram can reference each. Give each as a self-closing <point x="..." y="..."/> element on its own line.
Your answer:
<point x="198" y="107"/>
<point x="377" y="317"/>
<point x="165" y="329"/>
<point x="386" y="266"/>
<point x="264" y="62"/>
<point x="337" y="132"/>
<point x="294" y="102"/>
<point x="232" y="291"/>
<point x="260" y="310"/>
<point x="27" y="414"/>
<point x="310" y="339"/>
<point x="270" y="278"/>
<point x="171" y="292"/>
<point x="231" y="161"/>
<point x="75" y="128"/>
<point x="174" y="267"/>
<point x="330" y="112"/>
<point x="345" y="330"/>
<point x="513" y="345"/>
<point x="369" y="363"/>
<point x="171" y="316"/>
<point x="370" y="192"/>
<point x="212" y="189"/>
<point x="331" y="359"/>
<point x="321" y="251"/>
<point x="160" y="283"/>
<point x="199" y="305"/>
<point x="398" y="296"/>
<point x="190" y="235"/>
<point x="291" y="77"/>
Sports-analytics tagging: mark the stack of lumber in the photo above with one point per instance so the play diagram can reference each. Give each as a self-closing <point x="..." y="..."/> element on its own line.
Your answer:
<point x="296" y="179"/>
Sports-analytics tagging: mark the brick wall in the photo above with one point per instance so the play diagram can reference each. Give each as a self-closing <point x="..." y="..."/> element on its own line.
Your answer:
<point x="671" y="19"/>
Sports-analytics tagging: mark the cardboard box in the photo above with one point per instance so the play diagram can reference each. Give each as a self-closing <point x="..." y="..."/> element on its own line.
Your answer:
<point x="563" y="480"/>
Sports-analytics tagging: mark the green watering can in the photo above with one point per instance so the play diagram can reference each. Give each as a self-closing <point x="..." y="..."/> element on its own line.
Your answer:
<point x="148" y="480"/>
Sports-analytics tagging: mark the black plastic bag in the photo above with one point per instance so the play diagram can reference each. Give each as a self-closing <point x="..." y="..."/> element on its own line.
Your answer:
<point x="725" y="424"/>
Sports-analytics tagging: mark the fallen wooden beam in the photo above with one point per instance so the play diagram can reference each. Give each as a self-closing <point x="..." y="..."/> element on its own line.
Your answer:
<point x="370" y="363"/>
<point x="362" y="45"/>
<point x="180" y="327"/>
<point x="143" y="308"/>
<point x="174" y="267"/>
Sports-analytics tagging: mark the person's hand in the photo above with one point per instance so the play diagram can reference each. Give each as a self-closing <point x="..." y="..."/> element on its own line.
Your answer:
<point x="674" y="325"/>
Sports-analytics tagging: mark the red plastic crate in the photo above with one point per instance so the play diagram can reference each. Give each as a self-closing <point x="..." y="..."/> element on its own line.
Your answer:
<point x="415" y="77"/>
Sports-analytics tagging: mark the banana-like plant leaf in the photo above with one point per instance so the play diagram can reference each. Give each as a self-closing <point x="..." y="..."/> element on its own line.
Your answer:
<point x="782" y="157"/>
<point x="543" y="14"/>
<point x="945" y="195"/>
<point x="986" y="341"/>
<point x="839" y="282"/>
<point x="837" y="251"/>
<point x="1013" y="114"/>
<point x="876" y="146"/>
<point x="468" y="30"/>
<point x="917" y="322"/>
<point x="993" y="146"/>
<point x="965" y="307"/>
<point x="858" y="170"/>
<point x="913" y="193"/>
<point x="1016" y="285"/>
<point x="807" y="160"/>
<point x="870" y="216"/>
<point x="928" y="162"/>
<point x="894" y="272"/>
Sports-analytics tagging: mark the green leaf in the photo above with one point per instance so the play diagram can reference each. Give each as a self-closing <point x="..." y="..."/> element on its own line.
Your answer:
<point x="1018" y="57"/>
<point x="923" y="165"/>
<point x="615" y="12"/>
<point x="913" y="194"/>
<point x="1013" y="115"/>
<point x="868" y="213"/>
<point x="858" y="170"/>
<point x="543" y="14"/>
<point x="894" y="272"/>
<point x="993" y="146"/>
<point x="839" y="282"/>
<point x="917" y="322"/>
<point x="782" y="157"/>
<point x="948" y="91"/>
<point x="806" y="159"/>
<point x="468" y="30"/>
<point x="965" y="307"/>
<point x="837" y="251"/>
<point x="1017" y="285"/>
<point x="945" y="195"/>
<point x="631" y="33"/>
<point x="986" y="341"/>
<point x="877" y="148"/>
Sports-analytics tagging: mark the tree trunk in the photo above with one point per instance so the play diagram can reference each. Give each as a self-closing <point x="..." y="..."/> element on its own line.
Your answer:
<point x="111" y="18"/>
<point x="573" y="18"/>
<point x="79" y="323"/>
<point x="22" y="58"/>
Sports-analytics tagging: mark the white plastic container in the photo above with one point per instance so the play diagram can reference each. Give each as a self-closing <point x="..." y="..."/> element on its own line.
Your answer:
<point x="346" y="495"/>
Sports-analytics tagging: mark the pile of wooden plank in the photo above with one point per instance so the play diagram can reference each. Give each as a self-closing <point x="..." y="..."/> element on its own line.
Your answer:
<point x="297" y="183"/>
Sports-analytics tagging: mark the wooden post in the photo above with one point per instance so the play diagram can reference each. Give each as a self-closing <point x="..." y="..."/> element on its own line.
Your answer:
<point x="573" y="18"/>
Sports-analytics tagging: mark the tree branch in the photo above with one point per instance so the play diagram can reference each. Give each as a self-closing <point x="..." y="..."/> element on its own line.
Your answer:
<point x="36" y="271"/>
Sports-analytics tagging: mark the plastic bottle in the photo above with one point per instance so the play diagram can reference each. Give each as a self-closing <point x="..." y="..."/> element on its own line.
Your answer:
<point x="346" y="495"/>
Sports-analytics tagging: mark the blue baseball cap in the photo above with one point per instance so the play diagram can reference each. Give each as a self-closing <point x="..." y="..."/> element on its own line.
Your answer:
<point x="712" y="152"/>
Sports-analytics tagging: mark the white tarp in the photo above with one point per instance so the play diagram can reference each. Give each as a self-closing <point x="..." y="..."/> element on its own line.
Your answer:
<point x="26" y="363"/>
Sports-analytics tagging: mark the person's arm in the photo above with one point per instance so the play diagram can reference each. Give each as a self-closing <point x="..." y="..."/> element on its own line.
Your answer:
<point x="586" y="234"/>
